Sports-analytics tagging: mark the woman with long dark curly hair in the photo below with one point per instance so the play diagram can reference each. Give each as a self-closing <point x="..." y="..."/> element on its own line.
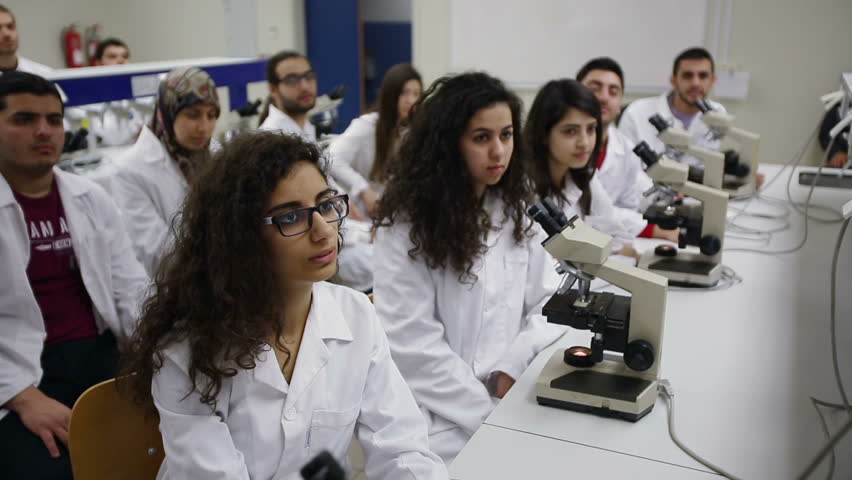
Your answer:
<point x="253" y="362"/>
<point x="563" y="133"/>
<point x="460" y="279"/>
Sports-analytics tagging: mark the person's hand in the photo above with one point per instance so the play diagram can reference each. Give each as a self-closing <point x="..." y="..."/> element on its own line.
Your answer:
<point x="670" y="235"/>
<point x="355" y="213"/>
<point x="43" y="416"/>
<point x="628" y="251"/>
<point x="838" y="160"/>
<point x="371" y="200"/>
<point x="503" y="384"/>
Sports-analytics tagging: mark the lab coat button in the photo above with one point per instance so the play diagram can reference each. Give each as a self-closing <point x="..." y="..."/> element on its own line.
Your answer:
<point x="290" y="414"/>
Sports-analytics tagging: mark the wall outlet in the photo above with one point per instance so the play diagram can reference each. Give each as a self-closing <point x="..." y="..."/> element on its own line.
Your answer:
<point x="731" y="84"/>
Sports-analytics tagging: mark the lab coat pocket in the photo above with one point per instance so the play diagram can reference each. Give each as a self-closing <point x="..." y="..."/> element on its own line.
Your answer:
<point x="332" y="430"/>
<point x="515" y="276"/>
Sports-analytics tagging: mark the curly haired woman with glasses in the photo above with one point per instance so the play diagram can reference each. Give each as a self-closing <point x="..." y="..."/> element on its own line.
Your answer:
<point x="254" y="363"/>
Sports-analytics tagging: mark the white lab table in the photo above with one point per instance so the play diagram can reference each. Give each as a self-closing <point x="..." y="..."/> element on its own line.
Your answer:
<point x="742" y="362"/>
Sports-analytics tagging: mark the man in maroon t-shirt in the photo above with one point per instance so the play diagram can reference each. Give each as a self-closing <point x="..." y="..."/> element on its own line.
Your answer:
<point x="75" y="353"/>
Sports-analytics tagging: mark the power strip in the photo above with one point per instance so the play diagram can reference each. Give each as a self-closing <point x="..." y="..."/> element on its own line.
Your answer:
<point x="830" y="177"/>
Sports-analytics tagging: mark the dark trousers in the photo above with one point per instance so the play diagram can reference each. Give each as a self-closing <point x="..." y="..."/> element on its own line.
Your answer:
<point x="69" y="369"/>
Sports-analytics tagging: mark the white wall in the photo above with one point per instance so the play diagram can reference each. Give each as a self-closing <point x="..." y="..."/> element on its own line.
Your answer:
<point x="155" y="29"/>
<point x="783" y="44"/>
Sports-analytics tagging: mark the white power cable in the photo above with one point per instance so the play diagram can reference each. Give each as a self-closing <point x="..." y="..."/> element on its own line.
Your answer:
<point x="833" y="319"/>
<point x="665" y="389"/>
<point x="807" y="207"/>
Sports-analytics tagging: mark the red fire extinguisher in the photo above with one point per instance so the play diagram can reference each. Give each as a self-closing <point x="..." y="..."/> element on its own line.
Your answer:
<point x="72" y="47"/>
<point x="93" y="40"/>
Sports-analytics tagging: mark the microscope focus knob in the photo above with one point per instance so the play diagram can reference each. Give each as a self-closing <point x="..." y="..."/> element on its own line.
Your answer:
<point x="733" y="166"/>
<point x="639" y="355"/>
<point x="710" y="245"/>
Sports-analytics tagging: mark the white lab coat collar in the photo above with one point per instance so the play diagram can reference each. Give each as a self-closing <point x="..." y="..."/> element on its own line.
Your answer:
<point x="572" y="193"/>
<point x="69" y="189"/>
<point x="325" y="323"/>
<point x="616" y="145"/>
<point x="280" y="121"/>
<point x="29" y="66"/>
<point x="150" y="149"/>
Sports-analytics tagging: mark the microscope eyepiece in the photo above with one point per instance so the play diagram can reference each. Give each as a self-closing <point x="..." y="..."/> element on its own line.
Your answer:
<point x="646" y="153"/>
<point x="557" y="214"/>
<point x="658" y="122"/>
<point x="540" y="215"/>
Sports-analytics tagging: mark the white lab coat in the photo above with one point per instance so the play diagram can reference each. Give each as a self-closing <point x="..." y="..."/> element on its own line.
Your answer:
<point x="278" y="121"/>
<point x="623" y="178"/>
<point x="603" y="216"/>
<point x="449" y="337"/>
<point x="29" y="66"/>
<point x="344" y="382"/>
<point x="353" y="153"/>
<point x="113" y="278"/>
<point x="150" y="189"/>
<point x="635" y="126"/>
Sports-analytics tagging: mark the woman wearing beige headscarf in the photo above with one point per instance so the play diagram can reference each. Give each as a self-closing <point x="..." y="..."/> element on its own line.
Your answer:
<point x="154" y="175"/>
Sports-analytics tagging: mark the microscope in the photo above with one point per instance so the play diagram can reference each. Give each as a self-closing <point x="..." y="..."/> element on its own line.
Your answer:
<point x="324" y="114"/>
<point x="678" y="142"/>
<point x="701" y="225"/>
<point x="740" y="148"/>
<point x="596" y="379"/>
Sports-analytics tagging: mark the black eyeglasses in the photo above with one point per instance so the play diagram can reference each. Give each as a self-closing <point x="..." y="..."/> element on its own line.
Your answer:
<point x="293" y="79"/>
<point x="300" y="220"/>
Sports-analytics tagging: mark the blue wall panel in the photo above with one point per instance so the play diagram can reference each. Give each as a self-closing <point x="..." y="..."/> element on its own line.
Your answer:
<point x="334" y="48"/>
<point x="387" y="43"/>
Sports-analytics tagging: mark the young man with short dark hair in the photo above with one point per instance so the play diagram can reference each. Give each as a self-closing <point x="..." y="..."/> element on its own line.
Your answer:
<point x="112" y="51"/>
<point x="692" y="79"/>
<point x="293" y="93"/>
<point x="9" y="58"/>
<point x="71" y="285"/>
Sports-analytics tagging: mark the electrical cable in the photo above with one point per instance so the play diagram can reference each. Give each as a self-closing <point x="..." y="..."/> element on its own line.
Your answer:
<point x="665" y="389"/>
<point x="728" y="278"/>
<point x="807" y="207"/>
<point x="832" y="459"/>
<point x="837" y="377"/>
<point x="833" y="319"/>
<point x="826" y="449"/>
<point x="793" y="162"/>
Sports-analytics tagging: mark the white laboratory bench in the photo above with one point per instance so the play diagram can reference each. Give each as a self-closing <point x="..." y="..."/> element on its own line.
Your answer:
<point x="742" y="362"/>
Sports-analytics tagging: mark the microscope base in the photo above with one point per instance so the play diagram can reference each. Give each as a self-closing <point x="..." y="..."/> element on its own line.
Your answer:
<point x="608" y="389"/>
<point x="686" y="269"/>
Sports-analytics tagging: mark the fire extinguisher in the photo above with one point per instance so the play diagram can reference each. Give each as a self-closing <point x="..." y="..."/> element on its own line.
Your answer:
<point x="72" y="47"/>
<point x="93" y="40"/>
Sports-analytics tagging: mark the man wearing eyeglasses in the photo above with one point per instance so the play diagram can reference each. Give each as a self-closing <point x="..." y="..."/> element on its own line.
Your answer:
<point x="293" y="92"/>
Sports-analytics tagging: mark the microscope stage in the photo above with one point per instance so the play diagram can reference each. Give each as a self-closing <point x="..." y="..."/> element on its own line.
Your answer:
<point x="685" y="269"/>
